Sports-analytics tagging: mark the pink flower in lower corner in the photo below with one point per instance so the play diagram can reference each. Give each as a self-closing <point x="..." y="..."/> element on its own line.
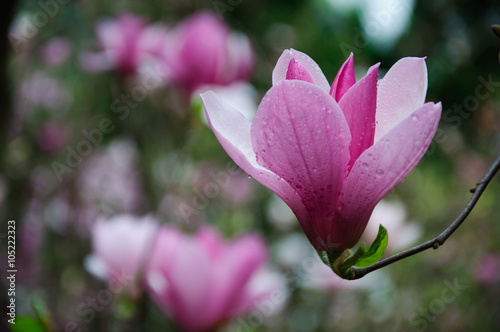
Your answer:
<point x="331" y="153"/>
<point x="202" y="281"/>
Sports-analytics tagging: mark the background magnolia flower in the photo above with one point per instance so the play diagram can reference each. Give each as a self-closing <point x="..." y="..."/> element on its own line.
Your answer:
<point x="331" y="153"/>
<point x="120" y="248"/>
<point x="127" y="43"/>
<point x="392" y="215"/>
<point x="201" y="50"/>
<point x="201" y="281"/>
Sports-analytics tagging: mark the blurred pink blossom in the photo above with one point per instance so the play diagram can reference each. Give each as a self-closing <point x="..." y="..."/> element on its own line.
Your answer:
<point x="392" y="215"/>
<point x="52" y="137"/>
<point x="109" y="181"/>
<point x="120" y="248"/>
<point x="331" y="153"/>
<point x="56" y="51"/>
<point x="45" y="91"/>
<point x="487" y="269"/>
<point x="201" y="281"/>
<point x="202" y="50"/>
<point x="127" y="43"/>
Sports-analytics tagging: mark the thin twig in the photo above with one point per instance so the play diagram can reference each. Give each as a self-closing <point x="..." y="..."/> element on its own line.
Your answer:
<point x="356" y="273"/>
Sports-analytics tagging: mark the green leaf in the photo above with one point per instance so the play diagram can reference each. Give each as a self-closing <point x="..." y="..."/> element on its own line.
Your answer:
<point x="26" y="323"/>
<point x="376" y="249"/>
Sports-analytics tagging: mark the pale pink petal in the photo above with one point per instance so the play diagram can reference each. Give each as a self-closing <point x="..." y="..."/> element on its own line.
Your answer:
<point x="381" y="167"/>
<point x="151" y="40"/>
<point x="232" y="130"/>
<point x="359" y="105"/>
<point x="300" y="134"/>
<point x="400" y="92"/>
<point x="122" y="242"/>
<point x="344" y="80"/>
<point x="281" y="69"/>
<point x="240" y="59"/>
<point x="267" y="288"/>
<point x="298" y="72"/>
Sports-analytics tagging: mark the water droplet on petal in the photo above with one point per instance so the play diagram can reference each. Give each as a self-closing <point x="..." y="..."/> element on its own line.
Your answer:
<point x="414" y="117"/>
<point x="298" y="186"/>
<point x="379" y="172"/>
<point x="365" y="165"/>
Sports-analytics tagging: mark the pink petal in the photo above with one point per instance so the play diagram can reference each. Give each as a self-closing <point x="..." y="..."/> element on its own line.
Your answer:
<point x="344" y="80"/>
<point x="298" y="72"/>
<point x="400" y="92"/>
<point x="165" y="251"/>
<point x="190" y="279"/>
<point x="300" y="134"/>
<point x="166" y="246"/>
<point x="211" y="241"/>
<point x="281" y="69"/>
<point x="241" y="259"/>
<point x="359" y="105"/>
<point x="203" y="52"/>
<point x="380" y="168"/>
<point x="232" y="130"/>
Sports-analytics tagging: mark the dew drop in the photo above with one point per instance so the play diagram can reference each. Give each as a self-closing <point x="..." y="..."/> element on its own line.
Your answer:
<point x="365" y="164"/>
<point x="298" y="186"/>
<point x="414" y="117"/>
<point x="379" y="172"/>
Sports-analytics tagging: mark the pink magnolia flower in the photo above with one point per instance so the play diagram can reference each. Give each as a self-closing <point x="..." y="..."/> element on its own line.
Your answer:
<point x="127" y="42"/>
<point x="201" y="281"/>
<point x="203" y="51"/>
<point x="121" y="246"/>
<point x="331" y="153"/>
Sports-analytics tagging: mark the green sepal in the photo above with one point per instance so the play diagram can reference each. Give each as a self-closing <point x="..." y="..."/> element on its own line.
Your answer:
<point x="324" y="257"/>
<point x="376" y="250"/>
<point x="354" y="258"/>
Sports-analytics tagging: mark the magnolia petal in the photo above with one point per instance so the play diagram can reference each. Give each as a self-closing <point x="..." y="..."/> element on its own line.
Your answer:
<point x="298" y="72"/>
<point x="300" y="134"/>
<point x="400" y="92"/>
<point x="359" y="105"/>
<point x="232" y="130"/>
<point x="381" y="167"/>
<point x="241" y="260"/>
<point x="281" y="69"/>
<point x="344" y="79"/>
<point x="188" y="290"/>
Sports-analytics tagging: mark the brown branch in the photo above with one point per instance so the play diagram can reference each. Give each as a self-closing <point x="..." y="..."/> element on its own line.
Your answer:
<point x="356" y="273"/>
